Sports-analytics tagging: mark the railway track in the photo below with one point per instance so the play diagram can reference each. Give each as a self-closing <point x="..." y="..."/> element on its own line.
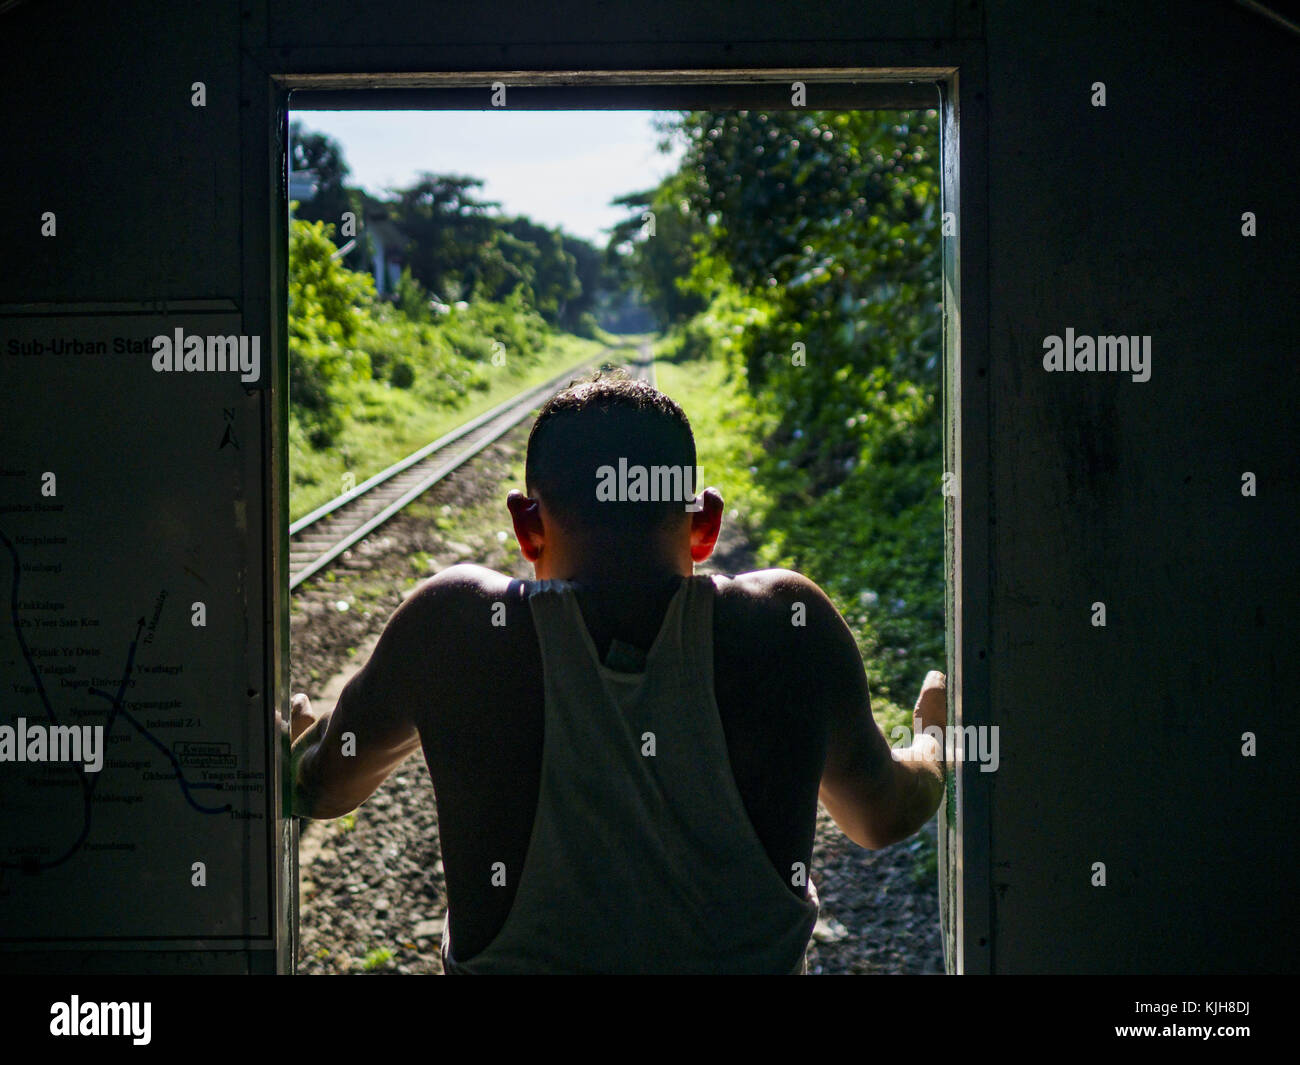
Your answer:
<point x="316" y="539"/>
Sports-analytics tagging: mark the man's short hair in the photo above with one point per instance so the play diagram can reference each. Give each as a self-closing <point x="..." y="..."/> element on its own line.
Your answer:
<point x="610" y="454"/>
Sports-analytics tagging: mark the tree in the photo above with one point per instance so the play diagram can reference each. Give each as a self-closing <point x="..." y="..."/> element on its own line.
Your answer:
<point x="552" y="271"/>
<point x="655" y="248"/>
<point x="449" y="231"/>
<point x="588" y="264"/>
<point x="323" y="156"/>
<point x="327" y="308"/>
<point x="816" y="237"/>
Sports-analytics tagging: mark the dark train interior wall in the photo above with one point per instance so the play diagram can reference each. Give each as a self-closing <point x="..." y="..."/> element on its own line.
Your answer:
<point x="1135" y="169"/>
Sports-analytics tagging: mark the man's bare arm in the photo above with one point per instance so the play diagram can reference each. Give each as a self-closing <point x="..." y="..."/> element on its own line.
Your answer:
<point x="909" y="792"/>
<point x="875" y="795"/>
<point x="342" y="757"/>
<point x="335" y="770"/>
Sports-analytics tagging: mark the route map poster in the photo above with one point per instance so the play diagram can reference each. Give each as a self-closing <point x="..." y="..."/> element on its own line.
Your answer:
<point x="135" y="775"/>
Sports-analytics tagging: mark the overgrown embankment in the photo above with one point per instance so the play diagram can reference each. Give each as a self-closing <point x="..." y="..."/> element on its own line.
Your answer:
<point x="370" y="381"/>
<point x="809" y="360"/>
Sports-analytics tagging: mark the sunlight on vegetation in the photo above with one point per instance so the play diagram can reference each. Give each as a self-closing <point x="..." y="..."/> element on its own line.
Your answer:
<point x="484" y="307"/>
<point x="805" y="343"/>
<point x="369" y="384"/>
<point x="792" y="266"/>
<point x="375" y="958"/>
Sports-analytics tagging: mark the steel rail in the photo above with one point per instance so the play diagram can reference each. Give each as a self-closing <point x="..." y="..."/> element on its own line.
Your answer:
<point x="318" y="538"/>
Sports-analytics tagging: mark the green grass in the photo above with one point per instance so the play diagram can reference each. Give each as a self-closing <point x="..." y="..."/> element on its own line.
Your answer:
<point x="385" y="424"/>
<point x="925" y="860"/>
<point x="622" y="340"/>
<point x="377" y="957"/>
<point x="728" y="430"/>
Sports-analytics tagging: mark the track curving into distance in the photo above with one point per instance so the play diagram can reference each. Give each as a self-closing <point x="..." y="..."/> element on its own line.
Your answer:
<point x="316" y="539"/>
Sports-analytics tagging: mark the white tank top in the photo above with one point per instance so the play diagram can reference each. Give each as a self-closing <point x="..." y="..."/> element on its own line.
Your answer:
<point x="642" y="858"/>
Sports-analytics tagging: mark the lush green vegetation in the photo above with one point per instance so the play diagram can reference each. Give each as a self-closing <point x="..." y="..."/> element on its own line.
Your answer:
<point x="486" y="305"/>
<point x="812" y="372"/>
<point x="376" y="959"/>
<point x="452" y="244"/>
<point x="793" y="263"/>
<point x="370" y="381"/>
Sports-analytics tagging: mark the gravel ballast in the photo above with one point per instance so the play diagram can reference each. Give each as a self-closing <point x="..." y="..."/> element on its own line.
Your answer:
<point x="372" y="894"/>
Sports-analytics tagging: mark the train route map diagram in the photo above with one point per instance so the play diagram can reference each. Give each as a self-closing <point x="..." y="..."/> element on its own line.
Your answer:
<point x="134" y="769"/>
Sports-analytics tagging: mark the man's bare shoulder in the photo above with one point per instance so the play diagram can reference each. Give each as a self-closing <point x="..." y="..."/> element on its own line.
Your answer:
<point x="781" y="623"/>
<point x="454" y="605"/>
<point x="768" y="590"/>
<point x="772" y="601"/>
<point x="465" y="581"/>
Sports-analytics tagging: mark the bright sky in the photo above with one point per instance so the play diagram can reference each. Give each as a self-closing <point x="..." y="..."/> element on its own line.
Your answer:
<point x="558" y="167"/>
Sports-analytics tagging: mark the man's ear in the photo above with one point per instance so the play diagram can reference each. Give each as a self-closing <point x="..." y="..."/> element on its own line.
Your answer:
<point x="705" y="524"/>
<point x="527" y="518"/>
